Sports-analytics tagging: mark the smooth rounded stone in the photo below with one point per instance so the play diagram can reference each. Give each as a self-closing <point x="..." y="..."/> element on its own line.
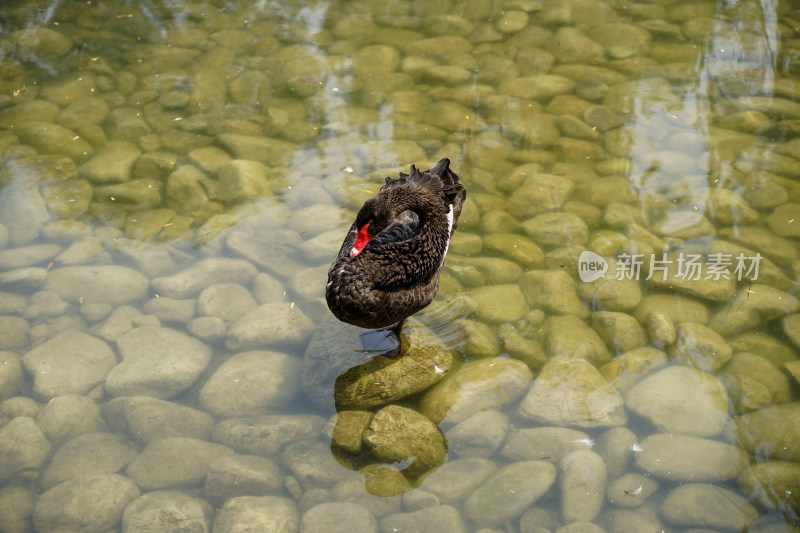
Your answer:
<point x="770" y="432"/>
<point x="23" y="212"/>
<point x="228" y="301"/>
<point x="582" y="485"/>
<point x="166" y="510"/>
<point x="493" y="269"/>
<point x="191" y="281"/>
<point x="772" y="484"/>
<point x="25" y="256"/>
<point x="680" y="399"/>
<point x="170" y="310"/>
<point x="684" y="458"/>
<point x="375" y="60"/>
<point x="709" y="506"/>
<point x="157" y="362"/>
<point x="208" y="329"/>
<point x="538" y="192"/>
<point x="621" y="40"/>
<point x="49" y="138"/>
<point x="241" y="180"/>
<point x="572" y="392"/>
<point x="41" y="44"/>
<point x="556" y="229"/>
<point x="23" y="278"/>
<point x="268" y="251"/>
<point x="684" y="225"/>
<point x="511" y="21"/>
<point x="16" y="508"/>
<point x="67" y="416"/>
<point x="120" y="322"/>
<point x="476" y="386"/>
<point x="174" y="462"/>
<point x="660" y="329"/>
<point x="338" y="517"/>
<point x="539" y="86"/>
<point x="112" y="163"/>
<point x="515" y="247"/>
<point x="323" y="247"/>
<point x="568" y="335"/>
<point x="756" y="367"/>
<point x="703" y="282"/>
<point x="267" y="514"/>
<point x="272" y="152"/>
<point x="11" y="373"/>
<point x="252" y="383"/>
<point x="553" y="291"/>
<point x="611" y="294"/>
<point x="148" y="419"/>
<point x="499" y="303"/>
<point x="338" y="369"/>
<point x="675" y="307"/>
<point x="481" y="340"/>
<point x="496" y="221"/>
<point x="751" y="308"/>
<point x="266" y="435"/>
<point x="13" y="333"/>
<point x="616" y="447"/>
<point x="91" y="453"/>
<point x="231" y="476"/>
<point x="428" y="520"/>
<point x="782" y="220"/>
<point x="18" y="406"/>
<point x="508" y="492"/>
<point x="268" y="289"/>
<point x="780" y="250"/>
<point x="700" y="346"/>
<point x="70" y="363"/>
<point x="455" y="480"/>
<point x="479" y="435"/>
<point x="382" y="482"/>
<point x="110" y="284"/>
<point x="545" y="443"/>
<point x="92" y="504"/>
<point x="22" y="446"/>
<point x="45" y="305"/>
<point x="570" y="45"/>
<point x="630" y="490"/>
<point x="626" y="369"/>
<point x="274" y="324"/>
<point x="399" y="434"/>
<point x="620" y="331"/>
<point x="312" y="464"/>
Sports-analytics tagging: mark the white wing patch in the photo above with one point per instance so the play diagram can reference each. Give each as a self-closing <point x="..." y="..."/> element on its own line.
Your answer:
<point x="449" y="231"/>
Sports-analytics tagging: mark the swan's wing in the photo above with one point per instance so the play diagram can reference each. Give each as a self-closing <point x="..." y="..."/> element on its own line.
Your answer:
<point x="348" y="243"/>
<point x="403" y="227"/>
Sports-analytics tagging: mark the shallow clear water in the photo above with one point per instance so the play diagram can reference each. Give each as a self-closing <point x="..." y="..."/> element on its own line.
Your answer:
<point x="617" y="329"/>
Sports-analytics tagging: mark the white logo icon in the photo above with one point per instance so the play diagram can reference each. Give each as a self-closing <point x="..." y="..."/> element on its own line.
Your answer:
<point x="591" y="266"/>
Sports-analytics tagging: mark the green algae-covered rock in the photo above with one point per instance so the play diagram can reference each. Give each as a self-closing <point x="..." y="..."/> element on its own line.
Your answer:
<point x="773" y="431"/>
<point x="402" y="434"/>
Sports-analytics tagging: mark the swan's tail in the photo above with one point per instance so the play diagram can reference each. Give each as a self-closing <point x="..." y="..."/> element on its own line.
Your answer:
<point x="440" y="179"/>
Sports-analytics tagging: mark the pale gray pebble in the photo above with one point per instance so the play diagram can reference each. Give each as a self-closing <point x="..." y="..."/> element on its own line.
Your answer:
<point x="322" y="248"/>
<point x="170" y="310"/>
<point x="13" y="332"/>
<point x="118" y="323"/>
<point x="266" y="514"/>
<point x="149" y="419"/>
<point x="683" y="458"/>
<point x="69" y="363"/>
<point x="230" y="476"/>
<point x="152" y="261"/>
<point x="92" y="503"/>
<point x="90" y="453"/>
<point x="275" y="324"/>
<point x="158" y="362"/>
<point x="507" y="493"/>
<point x="12" y="303"/>
<point x="435" y="519"/>
<point x="311" y="462"/>
<point x="22" y="446"/>
<point x="539" y="520"/>
<point x="23" y="278"/>
<point x="267" y="289"/>
<point x="207" y="328"/>
<point x="18" y="406"/>
<point x="166" y="510"/>
<point x="228" y="301"/>
<point x="338" y="517"/>
<point x="23" y="212"/>
<point x="621" y="331"/>
<point x="250" y="383"/>
<point x="266" y="435"/>
<point x="547" y="443"/>
<point x="630" y="490"/>
<point x="710" y="506"/>
<point x="3" y="236"/>
<point x="580" y="527"/>
<point x="16" y="508"/>
<point x="26" y="256"/>
<point x="273" y="251"/>
<point x="311" y="498"/>
<point x="616" y="447"/>
<point x="479" y="435"/>
<point x="582" y="486"/>
<point x="191" y="281"/>
<point x="44" y="304"/>
<point x="111" y="284"/>
<point x="455" y="480"/>
<point x="68" y="416"/>
<point x="95" y="312"/>
<point x="174" y="462"/>
<point x="11" y="373"/>
<point x="417" y="499"/>
<point x="309" y="283"/>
